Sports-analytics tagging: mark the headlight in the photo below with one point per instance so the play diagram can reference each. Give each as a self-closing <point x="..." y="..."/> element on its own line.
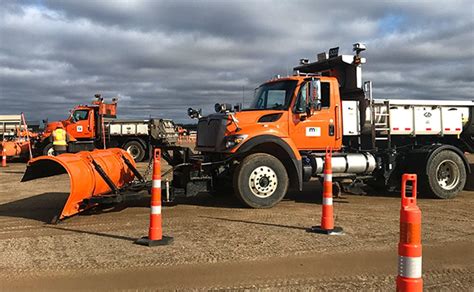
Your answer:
<point x="234" y="140"/>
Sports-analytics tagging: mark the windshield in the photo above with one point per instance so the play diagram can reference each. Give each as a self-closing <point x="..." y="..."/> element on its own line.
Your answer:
<point x="274" y="95"/>
<point x="79" y="115"/>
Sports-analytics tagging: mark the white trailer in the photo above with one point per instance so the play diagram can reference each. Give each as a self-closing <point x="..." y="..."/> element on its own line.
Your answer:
<point x="409" y="117"/>
<point x="9" y="124"/>
<point x="138" y="136"/>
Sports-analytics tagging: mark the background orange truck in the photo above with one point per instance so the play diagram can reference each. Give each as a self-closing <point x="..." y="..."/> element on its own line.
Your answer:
<point x="96" y="126"/>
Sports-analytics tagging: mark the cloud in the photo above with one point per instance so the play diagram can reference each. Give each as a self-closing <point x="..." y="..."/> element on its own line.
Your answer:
<point x="160" y="57"/>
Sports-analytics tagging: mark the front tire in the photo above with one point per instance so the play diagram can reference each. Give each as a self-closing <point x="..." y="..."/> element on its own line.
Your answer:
<point x="135" y="149"/>
<point x="48" y="150"/>
<point x="260" y="181"/>
<point x="446" y="175"/>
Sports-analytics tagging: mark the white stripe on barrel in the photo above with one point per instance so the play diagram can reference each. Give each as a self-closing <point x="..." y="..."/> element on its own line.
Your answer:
<point x="156" y="183"/>
<point x="328" y="177"/>
<point x="155" y="210"/>
<point x="409" y="267"/>
<point x="327" y="201"/>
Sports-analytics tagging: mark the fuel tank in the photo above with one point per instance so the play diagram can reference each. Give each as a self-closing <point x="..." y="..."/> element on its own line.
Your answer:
<point x="358" y="163"/>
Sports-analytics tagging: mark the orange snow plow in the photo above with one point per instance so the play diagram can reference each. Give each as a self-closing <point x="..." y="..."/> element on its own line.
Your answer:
<point x="96" y="177"/>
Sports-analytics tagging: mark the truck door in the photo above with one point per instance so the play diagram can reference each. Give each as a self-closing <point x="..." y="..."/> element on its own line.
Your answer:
<point x="314" y="123"/>
<point x="82" y="124"/>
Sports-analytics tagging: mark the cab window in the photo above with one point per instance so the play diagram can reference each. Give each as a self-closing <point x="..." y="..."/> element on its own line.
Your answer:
<point x="325" y="94"/>
<point x="80" y="115"/>
<point x="275" y="99"/>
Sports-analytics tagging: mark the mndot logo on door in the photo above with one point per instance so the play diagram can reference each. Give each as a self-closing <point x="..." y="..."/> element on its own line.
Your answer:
<point x="313" y="131"/>
<point x="79" y="129"/>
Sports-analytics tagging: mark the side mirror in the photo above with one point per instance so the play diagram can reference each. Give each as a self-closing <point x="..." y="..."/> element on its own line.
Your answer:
<point x="314" y="103"/>
<point x="194" y="114"/>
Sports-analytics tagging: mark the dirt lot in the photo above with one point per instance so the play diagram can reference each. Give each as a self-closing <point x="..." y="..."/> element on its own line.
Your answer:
<point x="219" y="245"/>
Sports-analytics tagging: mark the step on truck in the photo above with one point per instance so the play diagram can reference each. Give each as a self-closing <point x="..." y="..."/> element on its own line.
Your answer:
<point x="96" y="126"/>
<point x="278" y="142"/>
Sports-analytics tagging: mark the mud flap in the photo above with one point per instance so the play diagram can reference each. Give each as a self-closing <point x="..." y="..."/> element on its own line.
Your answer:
<point x="86" y="183"/>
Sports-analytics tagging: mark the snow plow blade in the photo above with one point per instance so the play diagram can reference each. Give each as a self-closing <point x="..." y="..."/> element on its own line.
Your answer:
<point x="92" y="175"/>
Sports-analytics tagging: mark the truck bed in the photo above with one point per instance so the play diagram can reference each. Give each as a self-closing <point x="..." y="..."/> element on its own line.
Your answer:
<point x="127" y="127"/>
<point x="159" y="129"/>
<point x="410" y="117"/>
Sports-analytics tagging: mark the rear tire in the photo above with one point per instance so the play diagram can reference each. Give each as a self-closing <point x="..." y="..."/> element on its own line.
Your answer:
<point x="446" y="175"/>
<point x="260" y="181"/>
<point x="135" y="149"/>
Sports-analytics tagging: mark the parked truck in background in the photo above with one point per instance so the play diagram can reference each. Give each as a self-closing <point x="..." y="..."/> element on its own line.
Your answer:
<point x="96" y="126"/>
<point x="279" y="141"/>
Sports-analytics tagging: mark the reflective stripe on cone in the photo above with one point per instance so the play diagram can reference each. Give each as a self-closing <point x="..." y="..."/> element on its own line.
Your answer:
<point x="156" y="183"/>
<point x="409" y="267"/>
<point x="327" y="201"/>
<point x="155" y="210"/>
<point x="328" y="177"/>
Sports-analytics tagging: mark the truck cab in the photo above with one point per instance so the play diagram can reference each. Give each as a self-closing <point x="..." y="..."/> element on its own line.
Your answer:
<point x="81" y="123"/>
<point x="305" y="112"/>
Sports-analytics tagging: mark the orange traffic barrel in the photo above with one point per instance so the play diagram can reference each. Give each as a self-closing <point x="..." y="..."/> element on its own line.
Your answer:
<point x="155" y="232"/>
<point x="327" y="215"/>
<point x="409" y="247"/>
<point x="4" y="157"/>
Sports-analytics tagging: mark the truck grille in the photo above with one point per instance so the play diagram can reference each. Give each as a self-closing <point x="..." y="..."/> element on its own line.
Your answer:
<point x="211" y="132"/>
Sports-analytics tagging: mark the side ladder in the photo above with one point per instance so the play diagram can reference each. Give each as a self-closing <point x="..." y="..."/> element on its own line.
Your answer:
<point x="379" y="120"/>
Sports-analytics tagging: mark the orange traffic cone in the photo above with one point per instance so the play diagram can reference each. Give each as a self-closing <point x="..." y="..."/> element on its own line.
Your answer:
<point x="327" y="217"/>
<point x="155" y="232"/>
<point x="409" y="247"/>
<point x="4" y="157"/>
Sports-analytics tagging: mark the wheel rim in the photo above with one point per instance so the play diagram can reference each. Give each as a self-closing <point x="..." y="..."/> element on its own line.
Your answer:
<point x="448" y="174"/>
<point x="263" y="181"/>
<point x="133" y="151"/>
<point x="51" y="152"/>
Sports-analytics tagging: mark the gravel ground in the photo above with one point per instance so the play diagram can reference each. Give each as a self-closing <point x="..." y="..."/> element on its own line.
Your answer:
<point x="221" y="246"/>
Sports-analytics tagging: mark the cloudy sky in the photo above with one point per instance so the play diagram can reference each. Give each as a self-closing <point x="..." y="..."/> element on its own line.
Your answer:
<point x="161" y="57"/>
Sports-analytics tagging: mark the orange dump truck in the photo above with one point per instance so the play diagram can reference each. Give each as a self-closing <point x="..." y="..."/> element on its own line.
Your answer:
<point x="96" y="125"/>
<point x="278" y="142"/>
